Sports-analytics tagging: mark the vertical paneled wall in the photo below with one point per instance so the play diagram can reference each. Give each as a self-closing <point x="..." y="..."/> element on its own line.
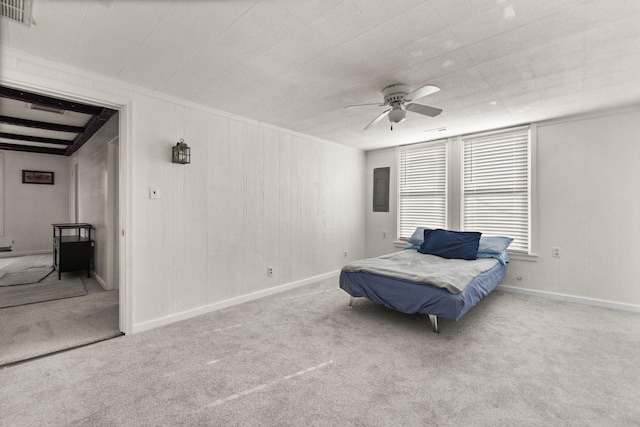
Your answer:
<point x="92" y="191"/>
<point x="382" y="226"/>
<point x="253" y="197"/>
<point x="30" y="209"/>
<point x="589" y="208"/>
<point x="2" y="243"/>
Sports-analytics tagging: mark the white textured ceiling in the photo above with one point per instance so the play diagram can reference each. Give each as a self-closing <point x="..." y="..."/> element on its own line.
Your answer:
<point x="298" y="63"/>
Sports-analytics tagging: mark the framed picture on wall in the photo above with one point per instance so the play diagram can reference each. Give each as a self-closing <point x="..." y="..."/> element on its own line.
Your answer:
<point x="37" y="177"/>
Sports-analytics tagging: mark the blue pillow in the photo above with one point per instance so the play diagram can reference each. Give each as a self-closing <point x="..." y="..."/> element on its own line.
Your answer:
<point x="411" y="246"/>
<point x="503" y="257"/>
<point x="426" y="233"/>
<point x="494" y="244"/>
<point x="451" y="244"/>
<point x="418" y="236"/>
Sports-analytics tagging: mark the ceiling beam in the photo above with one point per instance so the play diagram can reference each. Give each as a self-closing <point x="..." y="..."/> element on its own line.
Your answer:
<point x="35" y="139"/>
<point x="32" y="149"/>
<point x="93" y="126"/>
<point x="40" y="125"/>
<point x="99" y="116"/>
<point x="33" y="98"/>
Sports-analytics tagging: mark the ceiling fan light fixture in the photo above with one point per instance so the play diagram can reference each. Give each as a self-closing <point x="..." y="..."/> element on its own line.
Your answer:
<point x="397" y="115"/>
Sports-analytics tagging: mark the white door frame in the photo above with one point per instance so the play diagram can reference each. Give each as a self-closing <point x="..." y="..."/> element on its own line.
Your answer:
<point x="54" y="88"/>
<point x="113" y="227"/>
<point x="75" y="204"/>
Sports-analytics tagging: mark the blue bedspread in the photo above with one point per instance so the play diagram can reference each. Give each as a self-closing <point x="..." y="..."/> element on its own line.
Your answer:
<point x="411" y="297"/>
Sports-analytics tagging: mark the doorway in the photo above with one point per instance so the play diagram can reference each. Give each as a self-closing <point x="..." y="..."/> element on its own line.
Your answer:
<point x="114" y="248"/>
<point x="88" y="310"/>
<point x="119" y="218"/>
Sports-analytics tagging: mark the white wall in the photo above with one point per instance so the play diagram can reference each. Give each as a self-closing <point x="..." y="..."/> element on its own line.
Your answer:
<point x="30" y="209"/>
<point x="253" y="197"/>
<point x="587" y="206"/>
<point x="2" y="242"/>
<point x="379" y="223"/>
<point x="93" y="193"/>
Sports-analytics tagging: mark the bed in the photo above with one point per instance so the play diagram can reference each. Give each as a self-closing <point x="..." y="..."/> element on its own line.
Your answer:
<point x="421" y="280"/>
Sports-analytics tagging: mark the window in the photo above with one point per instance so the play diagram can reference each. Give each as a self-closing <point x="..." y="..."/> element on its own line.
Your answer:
<point x="482" y="182"/>
<point x="422" y="187"/>
<point x="495" y="193"/>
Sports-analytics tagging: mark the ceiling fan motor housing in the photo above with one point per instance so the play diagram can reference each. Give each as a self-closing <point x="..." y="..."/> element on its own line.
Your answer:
<point x="395" y="94"/>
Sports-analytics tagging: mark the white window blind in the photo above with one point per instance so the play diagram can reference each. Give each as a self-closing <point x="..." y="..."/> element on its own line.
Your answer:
<point x="422" y="187"/>
<point x="496" y="185"/>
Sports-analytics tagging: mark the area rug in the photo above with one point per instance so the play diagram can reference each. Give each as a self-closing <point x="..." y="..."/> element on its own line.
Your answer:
<point x="12" y="296"/>
<point x="25" y="270"/>
<point x="30" y="331"/>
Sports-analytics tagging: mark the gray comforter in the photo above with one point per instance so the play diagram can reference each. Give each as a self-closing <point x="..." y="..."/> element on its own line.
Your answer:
<point x="451" y="274"/>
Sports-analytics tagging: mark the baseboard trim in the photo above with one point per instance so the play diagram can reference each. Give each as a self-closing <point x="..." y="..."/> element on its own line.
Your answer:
<point x="150" y="324"/>
<point x="571" y="298"/>
<point x="98" y="279"/>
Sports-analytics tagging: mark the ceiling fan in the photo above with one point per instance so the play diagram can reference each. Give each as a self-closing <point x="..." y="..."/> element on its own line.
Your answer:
<point x="398" y="97"/>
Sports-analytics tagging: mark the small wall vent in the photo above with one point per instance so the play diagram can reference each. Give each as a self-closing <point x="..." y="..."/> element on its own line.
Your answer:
<point x="17" y="10"/>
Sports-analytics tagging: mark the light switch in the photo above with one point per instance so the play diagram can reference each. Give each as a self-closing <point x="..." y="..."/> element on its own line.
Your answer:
<point x="154" y="193"/>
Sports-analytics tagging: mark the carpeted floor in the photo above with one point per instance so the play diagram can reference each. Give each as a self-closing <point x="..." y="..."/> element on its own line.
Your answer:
<point x="39" y="329"/>
<point x="303" y="358"/>
<point x="52" y="315"/>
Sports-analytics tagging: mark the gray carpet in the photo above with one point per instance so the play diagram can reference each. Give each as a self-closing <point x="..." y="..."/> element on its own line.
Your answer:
<point x="25" y="269"/>
<point x="34" y="330"/>
<point x="303" y="358"/>
<point x="12" y="296"/>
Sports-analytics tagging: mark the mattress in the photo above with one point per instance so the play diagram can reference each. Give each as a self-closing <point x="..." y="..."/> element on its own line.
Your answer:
<point x="414" y="297"/>
<point x="411" y="265"/>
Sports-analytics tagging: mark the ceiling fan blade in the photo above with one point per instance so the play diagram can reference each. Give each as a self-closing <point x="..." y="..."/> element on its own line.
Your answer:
<point x="377" y="119"/>
<point x="363" y="105"/>
<point x="423" y="109"/>
<point x="421" y="92"/>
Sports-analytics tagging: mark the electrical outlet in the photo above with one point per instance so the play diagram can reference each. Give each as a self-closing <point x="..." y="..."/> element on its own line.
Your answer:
<point x="154" y="193"/>
<point x="13" y="242"/>
<point x="269" y="271"/>
<point x="345" y="254"/>
<point x="384" y="234"/>
<point x="555" y="252"/>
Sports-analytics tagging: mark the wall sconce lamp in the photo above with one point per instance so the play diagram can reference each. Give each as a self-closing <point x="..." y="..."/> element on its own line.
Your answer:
<point x="181" y="153"/>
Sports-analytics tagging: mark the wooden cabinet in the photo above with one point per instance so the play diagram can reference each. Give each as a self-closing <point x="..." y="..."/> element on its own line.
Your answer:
<point x="72" y="247"/>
